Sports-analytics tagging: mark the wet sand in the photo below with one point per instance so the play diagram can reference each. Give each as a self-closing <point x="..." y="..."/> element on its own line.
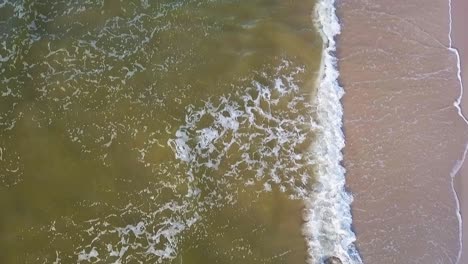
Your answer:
<point x="403" y="134"/>
<point x="460" y="42"/>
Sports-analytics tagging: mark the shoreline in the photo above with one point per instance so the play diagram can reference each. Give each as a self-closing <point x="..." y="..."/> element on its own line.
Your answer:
<point x="459" y="41"/>
<point x="457" y="174"/>
<point x="404" y="137"/>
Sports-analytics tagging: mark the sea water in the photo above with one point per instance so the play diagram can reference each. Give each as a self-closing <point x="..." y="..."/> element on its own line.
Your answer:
<point x="170" y="132"/>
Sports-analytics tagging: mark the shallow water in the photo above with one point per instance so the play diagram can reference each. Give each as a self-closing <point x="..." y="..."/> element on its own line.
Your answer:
<point x="155" y="132"/>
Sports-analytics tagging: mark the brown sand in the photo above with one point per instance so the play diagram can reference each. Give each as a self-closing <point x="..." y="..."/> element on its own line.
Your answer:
<point x="403" y="134"/>
<point x="460" y="41"/>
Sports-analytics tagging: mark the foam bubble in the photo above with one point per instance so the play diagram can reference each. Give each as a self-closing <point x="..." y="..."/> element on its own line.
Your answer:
<point x="91" y="256"/>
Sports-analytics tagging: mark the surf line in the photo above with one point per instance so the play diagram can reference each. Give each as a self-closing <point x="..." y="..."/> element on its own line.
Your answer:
<point x="327" y="213"/>
<point x="459" y="162"/>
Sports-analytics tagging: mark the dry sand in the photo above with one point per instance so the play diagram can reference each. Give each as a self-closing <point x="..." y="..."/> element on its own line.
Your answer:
<point x="403" y="133"/>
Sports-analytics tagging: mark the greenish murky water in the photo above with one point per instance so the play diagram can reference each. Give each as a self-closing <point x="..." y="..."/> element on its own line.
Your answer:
<point x="165" y="131"/>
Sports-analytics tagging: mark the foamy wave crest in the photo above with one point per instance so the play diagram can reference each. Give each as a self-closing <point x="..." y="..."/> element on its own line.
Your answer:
<point x="327" y="214"/>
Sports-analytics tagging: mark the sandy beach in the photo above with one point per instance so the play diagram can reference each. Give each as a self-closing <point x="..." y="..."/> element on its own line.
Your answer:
<point x="404" y="136"/>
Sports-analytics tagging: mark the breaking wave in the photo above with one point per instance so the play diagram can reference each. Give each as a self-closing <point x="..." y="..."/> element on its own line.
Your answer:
<point x="328" y="214"/>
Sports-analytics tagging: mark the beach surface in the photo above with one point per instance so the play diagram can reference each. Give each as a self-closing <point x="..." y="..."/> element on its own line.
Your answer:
<point x="404" y="136"/>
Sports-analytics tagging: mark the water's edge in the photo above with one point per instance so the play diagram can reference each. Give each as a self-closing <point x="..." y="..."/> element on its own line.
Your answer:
<point x="327" y="215"/>
<point x="459" y="163"/>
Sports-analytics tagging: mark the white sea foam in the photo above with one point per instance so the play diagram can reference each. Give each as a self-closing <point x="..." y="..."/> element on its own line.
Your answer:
<point x="88" y="256"/>
<point x="327" y="215"/>
<point x="251" y="123"/>
<point x="460" y="162"/>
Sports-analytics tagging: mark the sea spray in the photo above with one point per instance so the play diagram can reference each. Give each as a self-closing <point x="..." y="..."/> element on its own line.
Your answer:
<point x="327" y="214"/>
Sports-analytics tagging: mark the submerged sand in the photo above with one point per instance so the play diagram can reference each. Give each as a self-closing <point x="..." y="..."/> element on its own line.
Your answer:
<point x="403" y="133"/>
